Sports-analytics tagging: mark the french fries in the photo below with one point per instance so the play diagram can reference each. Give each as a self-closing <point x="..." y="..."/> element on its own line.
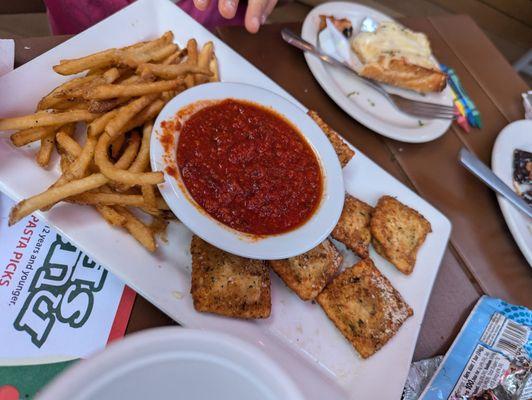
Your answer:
<point x="138" y="229"/>
<point x="149" y="113"/>
<point x="42" y="118"/>
<point x="143" y="157"/>
<point x="48" y="141"/>
<point x="45" y="151"/>
<point x="155" y="55"/>
<point x="109" y="199"/>
<point x="53" y="195"/>
<point x="73" y="104"/>
<point x="98" y="60"/>
<point x="101" y="157"/>
<point x="148" y="196"/>
<point x="126" y="113"/>
<point x="192" y="51"/>
<point x="172" y="71"/>
<point x="102" y="106"/>
<point x="103" y="92"/>
<point x="80" y="165"/>
<point x="172" y="58"/>
<point x="77" y="93"/>
<point x="112" y="216"/>
<point x="213" y="67"/>
<point x="53" y="98"/>
<point x="67" y="144"/>
<point x="30" y="135"/>
<point x="118" y="98"/>
<point x="204" y="58"/>
<point x="130" y="152"/>
<point x="97" y="126"/>
<point x="116" y="145"/>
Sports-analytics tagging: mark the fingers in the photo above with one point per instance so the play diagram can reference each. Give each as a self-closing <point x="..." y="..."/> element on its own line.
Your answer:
<point x="227" y="8"/>
<point x="201" y="4"/>
<point x="269" y="8"/>
<point x="255" y="14"/>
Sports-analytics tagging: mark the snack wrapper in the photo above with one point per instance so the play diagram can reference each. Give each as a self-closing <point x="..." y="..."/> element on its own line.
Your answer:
<point x="419" y="375"/>
<point x="491" y="357"/>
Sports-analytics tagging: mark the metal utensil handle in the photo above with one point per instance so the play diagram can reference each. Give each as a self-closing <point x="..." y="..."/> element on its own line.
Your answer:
<point x="486" y="175"/>
<point x="297" y="41"/>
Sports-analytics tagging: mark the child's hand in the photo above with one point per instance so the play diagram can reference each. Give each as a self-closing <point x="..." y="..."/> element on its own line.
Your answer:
<point x="256" y="13"/>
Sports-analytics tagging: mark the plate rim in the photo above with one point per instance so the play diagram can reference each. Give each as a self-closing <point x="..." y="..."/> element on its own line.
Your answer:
<point x="508" y="211"/>
<point x="307" y="236"/>
<point x="122" y="349"/>
<point x="326" y="82"/>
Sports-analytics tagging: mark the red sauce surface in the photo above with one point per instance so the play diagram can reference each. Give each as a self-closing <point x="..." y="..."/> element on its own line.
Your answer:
<point x="167" y="136"/>
<point x="249" y="168"/>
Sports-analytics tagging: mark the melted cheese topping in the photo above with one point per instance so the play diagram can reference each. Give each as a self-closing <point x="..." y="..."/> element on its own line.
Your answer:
<point x="393" y="41"/>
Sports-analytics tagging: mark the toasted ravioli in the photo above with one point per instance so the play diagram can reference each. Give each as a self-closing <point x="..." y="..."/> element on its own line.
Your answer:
<point x="398" y="232"/>
<point x="353" y="227"/>
<point x="402" y="74"/>
<point x="229" y="285"/>
<point x="342" y="149"/>
<point x="364" y="306"/>
<point x="398" y="56"/>
<point x="308" y="273"/>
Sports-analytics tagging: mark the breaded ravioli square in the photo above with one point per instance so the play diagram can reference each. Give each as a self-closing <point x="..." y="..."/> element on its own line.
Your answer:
<point x="364" y="306"/>
<point x="308" y="273"/>
<point x="227" y="284"/>
<point x="342" y="149"/>
<point x="353" y="228"/>
<point x="398" y="232"/>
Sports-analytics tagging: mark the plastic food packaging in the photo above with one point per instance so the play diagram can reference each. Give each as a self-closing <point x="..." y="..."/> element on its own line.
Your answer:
<point x="490" y="358"/>
<point x="419" y="375"/>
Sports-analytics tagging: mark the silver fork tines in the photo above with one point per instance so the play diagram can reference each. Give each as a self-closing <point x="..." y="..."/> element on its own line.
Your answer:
<point x="422" y="109"/>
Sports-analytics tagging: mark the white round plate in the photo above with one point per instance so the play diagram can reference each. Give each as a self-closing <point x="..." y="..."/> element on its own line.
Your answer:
<point x="365" y="104"/>
<point x="272" y="247"/>
<point x="174" y="363"/>
<point x="517" y="135"/>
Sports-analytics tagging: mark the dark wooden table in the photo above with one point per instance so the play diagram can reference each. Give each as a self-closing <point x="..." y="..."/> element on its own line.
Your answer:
<point x="482" y="257"/>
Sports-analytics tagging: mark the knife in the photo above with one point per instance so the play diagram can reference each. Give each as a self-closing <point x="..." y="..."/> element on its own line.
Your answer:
<point x="486" y="175"/>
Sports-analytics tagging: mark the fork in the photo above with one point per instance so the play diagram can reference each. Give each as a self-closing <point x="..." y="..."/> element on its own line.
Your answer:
<point x="411" y="107"/>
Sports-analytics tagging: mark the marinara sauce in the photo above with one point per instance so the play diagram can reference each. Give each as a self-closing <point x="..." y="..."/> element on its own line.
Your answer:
<point x="249" y="168"/>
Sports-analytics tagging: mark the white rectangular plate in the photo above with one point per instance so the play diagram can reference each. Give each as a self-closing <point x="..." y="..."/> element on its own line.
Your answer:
<point x="298" y="335"/>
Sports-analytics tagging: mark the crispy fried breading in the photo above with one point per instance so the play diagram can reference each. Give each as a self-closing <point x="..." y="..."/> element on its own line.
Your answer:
<point x="364" y="306"/>
<point x="229" y="285"/>
<point x="121" y="93"/>
<point x="353" y="227"/>
<point x="308" y="273"/>
<point x="398" y="232"/>
<point x="342" y="149"/>
<point x="390" y="60"/>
